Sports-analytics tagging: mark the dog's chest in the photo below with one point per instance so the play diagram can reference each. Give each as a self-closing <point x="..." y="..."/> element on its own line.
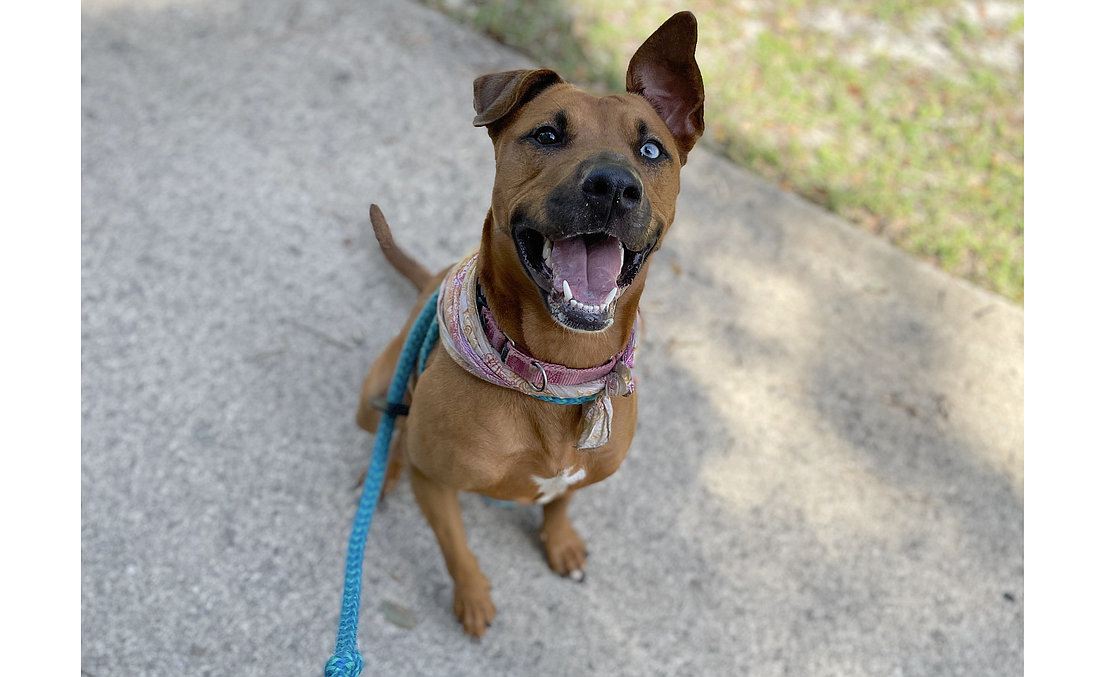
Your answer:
<point x="505" y="444"/>
<point x="550" y="488"/>
<point x="543" y="474"/>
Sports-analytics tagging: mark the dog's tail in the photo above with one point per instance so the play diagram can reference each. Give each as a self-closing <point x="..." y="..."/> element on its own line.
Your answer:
<point x="416" y="273"/>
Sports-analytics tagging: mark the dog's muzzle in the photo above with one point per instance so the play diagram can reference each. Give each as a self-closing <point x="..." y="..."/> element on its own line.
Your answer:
<point x="597" y="234"/>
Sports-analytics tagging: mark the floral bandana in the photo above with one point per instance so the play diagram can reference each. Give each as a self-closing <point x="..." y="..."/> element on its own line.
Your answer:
<point x="464" y="338"/>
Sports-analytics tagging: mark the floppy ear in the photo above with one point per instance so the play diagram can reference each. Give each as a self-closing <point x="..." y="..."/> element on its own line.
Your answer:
<point x="663" y="70"/>
<point x="499" y="94"/>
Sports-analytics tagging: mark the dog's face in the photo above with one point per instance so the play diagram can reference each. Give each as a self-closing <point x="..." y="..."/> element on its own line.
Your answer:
<point x="586" y="186"/>
<point x="612" y="170"/>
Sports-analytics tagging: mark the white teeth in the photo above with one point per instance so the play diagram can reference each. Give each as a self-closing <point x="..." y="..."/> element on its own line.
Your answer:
<point x="610" y="297"/>
<point x="546" y="250"/>
<point x="621" y="256"/>
<point x="588" y="307"/>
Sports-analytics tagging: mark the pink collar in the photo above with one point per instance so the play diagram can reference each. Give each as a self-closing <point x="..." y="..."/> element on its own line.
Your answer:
<point x="537" y="373"/>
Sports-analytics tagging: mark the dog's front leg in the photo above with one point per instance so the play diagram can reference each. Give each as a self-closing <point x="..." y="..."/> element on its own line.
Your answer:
<point x="473" y="606"/>
<point x="565" y="550"/>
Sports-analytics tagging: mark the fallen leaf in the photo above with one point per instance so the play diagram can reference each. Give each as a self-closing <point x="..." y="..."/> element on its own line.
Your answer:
<point x="400" y="616"/>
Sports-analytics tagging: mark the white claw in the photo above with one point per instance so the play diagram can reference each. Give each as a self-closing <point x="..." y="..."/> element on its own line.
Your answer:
<point x="566" y="290"/>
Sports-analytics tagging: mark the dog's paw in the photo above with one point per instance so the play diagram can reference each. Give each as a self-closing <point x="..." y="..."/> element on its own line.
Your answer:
<point x="474" y="607"/>
<point x="566" y="552"/>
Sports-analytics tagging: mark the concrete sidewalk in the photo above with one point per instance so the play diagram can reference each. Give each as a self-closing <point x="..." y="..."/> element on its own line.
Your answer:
<point x="828" y="473"/>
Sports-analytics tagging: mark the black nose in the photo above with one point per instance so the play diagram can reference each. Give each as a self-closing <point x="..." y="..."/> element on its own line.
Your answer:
<point x="612" y="187"/>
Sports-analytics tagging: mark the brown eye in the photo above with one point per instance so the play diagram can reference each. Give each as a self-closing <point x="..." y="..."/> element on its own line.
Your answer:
<point x="547" y="136"/>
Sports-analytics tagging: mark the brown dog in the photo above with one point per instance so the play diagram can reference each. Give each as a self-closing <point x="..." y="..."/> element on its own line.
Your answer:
<point x="585" y="192"/>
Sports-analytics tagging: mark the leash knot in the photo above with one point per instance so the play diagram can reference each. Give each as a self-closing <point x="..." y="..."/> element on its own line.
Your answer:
<point x="344" y="664"/>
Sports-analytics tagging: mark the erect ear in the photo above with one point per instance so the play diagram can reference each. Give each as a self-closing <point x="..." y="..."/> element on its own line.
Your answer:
<point x="497" y="95"/>
<point x="663" y="70"/>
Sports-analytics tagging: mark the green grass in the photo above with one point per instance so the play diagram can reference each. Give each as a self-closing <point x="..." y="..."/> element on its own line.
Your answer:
<point x="889" y="113"/>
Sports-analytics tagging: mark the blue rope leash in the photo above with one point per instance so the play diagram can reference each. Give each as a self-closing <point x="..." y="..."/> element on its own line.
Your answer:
<point x="346" y="660"/>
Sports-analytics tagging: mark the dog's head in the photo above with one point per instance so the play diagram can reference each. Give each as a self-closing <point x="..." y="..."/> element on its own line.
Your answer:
<point x="586" y="186"/>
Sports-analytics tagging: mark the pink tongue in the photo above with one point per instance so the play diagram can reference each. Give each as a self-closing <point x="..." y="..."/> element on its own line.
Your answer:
<point x="592" y="269"/>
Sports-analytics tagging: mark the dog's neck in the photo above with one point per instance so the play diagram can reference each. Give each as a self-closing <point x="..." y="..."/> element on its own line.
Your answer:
<point x="523" y="317"/>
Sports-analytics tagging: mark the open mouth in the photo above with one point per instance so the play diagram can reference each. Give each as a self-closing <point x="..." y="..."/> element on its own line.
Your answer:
<point x="581" y="277"/>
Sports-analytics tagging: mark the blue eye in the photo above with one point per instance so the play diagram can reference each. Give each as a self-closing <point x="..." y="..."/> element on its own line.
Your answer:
<point x="547" y="136"/>
<point x="650" y="150"/>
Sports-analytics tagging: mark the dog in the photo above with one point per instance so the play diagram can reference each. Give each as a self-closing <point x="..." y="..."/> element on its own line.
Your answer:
<point x="528" y="396"/>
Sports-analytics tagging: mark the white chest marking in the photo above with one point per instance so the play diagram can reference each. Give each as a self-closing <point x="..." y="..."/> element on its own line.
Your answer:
<point x="551" y="488"/>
